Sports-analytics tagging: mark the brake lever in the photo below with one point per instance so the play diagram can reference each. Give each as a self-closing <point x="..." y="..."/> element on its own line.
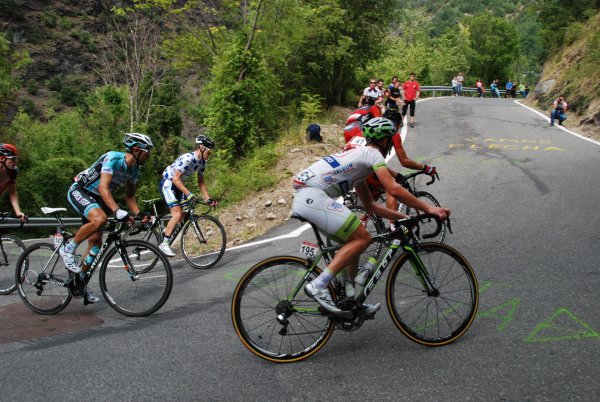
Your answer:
<point x="448" y="224"/>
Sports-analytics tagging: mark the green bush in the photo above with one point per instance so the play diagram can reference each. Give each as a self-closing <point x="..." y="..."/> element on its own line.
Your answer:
<point x="49" y="19"/>
<point x="55" y="83"/>
<point x="32" y="87"/>
<point x="66" y="23"/>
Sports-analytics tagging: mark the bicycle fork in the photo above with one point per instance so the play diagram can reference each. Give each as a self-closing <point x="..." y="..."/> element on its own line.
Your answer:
<point x="421" y="272"/>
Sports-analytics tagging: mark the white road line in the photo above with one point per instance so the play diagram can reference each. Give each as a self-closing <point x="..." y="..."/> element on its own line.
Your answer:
<point x="557" y="126"/>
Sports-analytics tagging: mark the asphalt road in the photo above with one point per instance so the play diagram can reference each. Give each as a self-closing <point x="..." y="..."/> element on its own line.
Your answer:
<point x="524" y="200"/>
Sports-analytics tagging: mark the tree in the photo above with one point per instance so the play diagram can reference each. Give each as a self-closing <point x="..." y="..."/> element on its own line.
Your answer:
<point x="494" y="43"/>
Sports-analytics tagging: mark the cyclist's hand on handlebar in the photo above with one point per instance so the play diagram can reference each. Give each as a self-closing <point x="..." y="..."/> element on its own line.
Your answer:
<point x="121" y="214"/>
<point x="143" y="216"/>
<point x="23" y="217"/>
<point x="429" y="170"/>
<point x="440" y="212"/>
<point x="190" y="198"/>
<point x="212" y="202"/>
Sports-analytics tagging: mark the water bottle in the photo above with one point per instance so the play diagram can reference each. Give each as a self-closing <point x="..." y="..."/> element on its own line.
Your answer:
<point x="365" y="271"/>
<point x="346" y="283"/>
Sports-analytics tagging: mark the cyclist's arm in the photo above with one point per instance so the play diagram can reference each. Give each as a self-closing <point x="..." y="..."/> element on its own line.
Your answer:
<point x="403" y="158"/>
<point x="13" y="196"/>
<point x="202" y="187"/>
<point x="130" y="200"/>
<point x="104" y="190"/>
<point x="367" y="200"/>
<point x="178" y="183"/>
<point x="400" y="193"/>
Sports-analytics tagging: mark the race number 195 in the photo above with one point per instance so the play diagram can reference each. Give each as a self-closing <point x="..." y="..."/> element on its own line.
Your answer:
<point x="309" y="249"/>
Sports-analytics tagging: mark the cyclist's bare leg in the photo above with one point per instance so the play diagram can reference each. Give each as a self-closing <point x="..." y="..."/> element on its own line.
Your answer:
<point x="96" y="220"/>
<point x="391" y="203"/>
<point x="176" y="216"/>
<point x="349" y="254"/>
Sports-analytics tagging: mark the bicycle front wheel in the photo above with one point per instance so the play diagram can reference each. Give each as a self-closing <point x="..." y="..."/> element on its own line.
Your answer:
<point x="41" y="279"/>
<point x="203" y="241"/>
<point x="11" y="248"/>
<point x="270" y="325"/>
<point x="129" y="286"/>
<point x="141" y="256"/>
<point x="445" y="312"/>
<point x="429" y="225"/>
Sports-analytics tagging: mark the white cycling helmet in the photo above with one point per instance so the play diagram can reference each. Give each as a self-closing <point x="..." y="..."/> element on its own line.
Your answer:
<point x="136" y="139"/>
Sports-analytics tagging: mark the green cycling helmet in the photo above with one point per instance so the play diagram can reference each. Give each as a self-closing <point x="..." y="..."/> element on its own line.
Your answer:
<point x="379" y="128"/>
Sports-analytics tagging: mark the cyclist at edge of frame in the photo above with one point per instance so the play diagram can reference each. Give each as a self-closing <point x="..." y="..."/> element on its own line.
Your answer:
<point x="317" y="188"/>
<point x="176" y="194"/>
<point x="92" y="190"/>
<point x="354" y="139"/>
<point x="8" y="177"/>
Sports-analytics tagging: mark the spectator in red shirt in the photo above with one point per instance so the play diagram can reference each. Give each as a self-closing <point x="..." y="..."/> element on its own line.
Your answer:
<point x="410" y="92"/>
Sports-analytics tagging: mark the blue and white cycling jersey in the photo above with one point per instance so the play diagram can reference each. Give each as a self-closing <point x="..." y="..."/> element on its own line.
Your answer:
<point x="187" y="164"/>
<point x="112" y="163"/>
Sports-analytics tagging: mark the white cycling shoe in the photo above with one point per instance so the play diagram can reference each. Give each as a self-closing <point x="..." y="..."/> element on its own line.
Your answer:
<point x="69" y="260"/>
<point x="89" y="298"/>
<point x="323" y="298"/>
<point x="164" y="247"/>
<point x="371" y="309"/>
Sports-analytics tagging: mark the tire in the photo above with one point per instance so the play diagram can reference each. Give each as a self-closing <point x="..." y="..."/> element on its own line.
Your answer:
<point x="254" y="311"/>
<point x="433" y="320"/>
<point x="428" y="226"/>
<point x="41" y="291"/>
<point x="203" y="241"/>
<point x="11" y="248"/>
<point x="374" y="226"/>
<point x="145" y="259"/>
<point x="150" y="289"/>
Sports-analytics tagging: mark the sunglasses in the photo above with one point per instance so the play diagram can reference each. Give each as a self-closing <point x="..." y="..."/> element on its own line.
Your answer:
<point x="12" y="158"/>
<point x="372" y="82"/>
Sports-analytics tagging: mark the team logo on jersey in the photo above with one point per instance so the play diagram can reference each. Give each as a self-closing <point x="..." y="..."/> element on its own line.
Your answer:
<point x="309" y="201"/>
<point x="344" y="169"/>
<point x="329" y="179"/>
<point x="331" y="161"/>
<point x="335" y="206"/>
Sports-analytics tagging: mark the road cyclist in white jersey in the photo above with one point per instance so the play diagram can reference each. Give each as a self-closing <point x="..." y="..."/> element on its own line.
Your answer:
<point x="175" y="192"/>
<point x="91" y="191"/>
<point x="317" y="188"/>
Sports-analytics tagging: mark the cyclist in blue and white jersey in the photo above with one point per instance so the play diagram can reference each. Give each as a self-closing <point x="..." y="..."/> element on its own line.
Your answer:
<point x="175" y="192"/>
<point x="92" y="190"/>
<point x="318" y="187"/>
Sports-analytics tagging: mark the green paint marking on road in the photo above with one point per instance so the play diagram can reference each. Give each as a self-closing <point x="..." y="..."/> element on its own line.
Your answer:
<point x="236" y="274"/>
<point x="484" y="286"/>
<point x="561" y="322"/>
<point x="505" y="312"/>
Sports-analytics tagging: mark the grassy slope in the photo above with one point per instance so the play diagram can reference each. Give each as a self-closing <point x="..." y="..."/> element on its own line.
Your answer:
<point x="576" y="69"/>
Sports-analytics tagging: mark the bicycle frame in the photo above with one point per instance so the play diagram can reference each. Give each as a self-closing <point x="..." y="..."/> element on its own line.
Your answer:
<point x="398" y="240"/>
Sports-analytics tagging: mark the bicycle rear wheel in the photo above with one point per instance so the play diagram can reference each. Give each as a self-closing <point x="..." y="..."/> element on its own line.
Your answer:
<point x="11" y="248"/>
<point x="129" y="286"/>
<point x="426" y="226"/>
<point x="261" y="295"/>
<point x="442" y="316"/>
<point x="203" y="241"/>
<point x="41" y="279"/>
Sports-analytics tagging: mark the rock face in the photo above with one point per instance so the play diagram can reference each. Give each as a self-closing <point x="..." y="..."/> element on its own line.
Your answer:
<point x="543" y="87"/>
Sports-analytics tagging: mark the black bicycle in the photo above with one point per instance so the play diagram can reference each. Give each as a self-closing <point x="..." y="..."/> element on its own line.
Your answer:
<point x="129" y="287"/>
<point x="203" y="238"/>
<point x="376" y="225"/>
<point x="11" y="248"/>
<point x="431" y="295"/>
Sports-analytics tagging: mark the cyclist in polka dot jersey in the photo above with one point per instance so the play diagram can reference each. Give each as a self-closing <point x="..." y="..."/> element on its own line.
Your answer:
<point x="174" y="190"/>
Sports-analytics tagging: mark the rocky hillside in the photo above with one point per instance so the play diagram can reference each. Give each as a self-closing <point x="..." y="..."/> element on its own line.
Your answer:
<point x="574" y="71"/>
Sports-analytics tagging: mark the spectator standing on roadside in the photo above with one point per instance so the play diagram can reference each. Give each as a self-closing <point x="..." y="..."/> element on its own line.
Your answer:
<point x="559" y="109"/>
<point x="395" y="97"/>
<point x="526" y="90"/>
<point x="522" y="90"/>
<point x="509" y="87"/>
<point x="410" y="92"/>
<point x="369" y="92"/>
<point x="480" y="89"/>
<point x="494" y="89"/>
<point x="454" y="87"/>
<point x="394" y="81"/>
<point x="460" y="79"/>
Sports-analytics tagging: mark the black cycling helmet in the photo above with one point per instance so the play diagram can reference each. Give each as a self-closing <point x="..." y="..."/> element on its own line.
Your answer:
<point x="394" y="115"/>
<point x="205" y="141"/>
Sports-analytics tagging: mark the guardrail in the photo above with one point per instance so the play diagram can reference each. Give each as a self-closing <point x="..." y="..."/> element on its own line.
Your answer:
<point x="441" y="88"/>
<point x="14" y="223"/>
